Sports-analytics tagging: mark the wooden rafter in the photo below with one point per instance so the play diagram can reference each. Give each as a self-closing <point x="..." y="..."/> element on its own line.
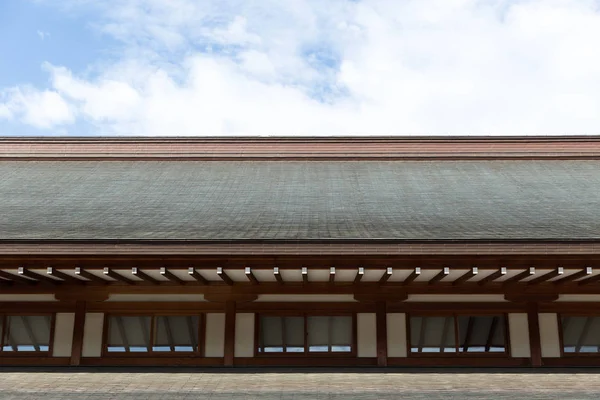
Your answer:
<point x="135" y="271"/>
<point x="250" y="275"/>
<point x="413" y="275"/>
<point x="196" y="275"/>
<point x="17" y="278"/>
<point x="118" y="277"/>
<point x="492" y="277"/>
<point x="39" y="277"/>
<point x="386" y="275"/>
<point x="277" y="275"/>
<point x="524" y="274"/>
<point x="591" y="279"/>
<point x="171" y="276"/>
<point x="359" y="275"/>
<point x="441" y="275"/>
<point x="221" y="273"/>
<point x="550" y="275"/>
<point x="491" y="333"/>
<point x="577" y="275"/>
<point x="51" y="271"/>
<point x="332" y="275"/>
<point x="305" y="275"/>
<point x="468" y="333"/>
<point x="90" y="277"/>
<point x="466" y="276"/>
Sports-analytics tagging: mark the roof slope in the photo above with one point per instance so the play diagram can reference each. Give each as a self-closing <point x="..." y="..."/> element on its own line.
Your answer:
<point x="300" y="200"/>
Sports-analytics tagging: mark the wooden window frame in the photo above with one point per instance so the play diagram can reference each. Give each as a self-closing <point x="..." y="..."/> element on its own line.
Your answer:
<point x="455" y="315"/>
<point x="560" y="316"/>
<point x="198" y="353"/>
<point x="10" y="354"/>
<point x="306" y="354"/>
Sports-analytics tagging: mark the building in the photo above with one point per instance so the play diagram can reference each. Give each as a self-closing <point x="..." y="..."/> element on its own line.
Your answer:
<point x="304" y="251"/>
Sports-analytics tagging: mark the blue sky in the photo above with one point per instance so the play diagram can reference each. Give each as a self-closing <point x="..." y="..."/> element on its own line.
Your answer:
<point x="299" y="67"/>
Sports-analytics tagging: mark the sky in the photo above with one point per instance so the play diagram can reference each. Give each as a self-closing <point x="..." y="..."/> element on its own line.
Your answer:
<point x="299" y="67"/>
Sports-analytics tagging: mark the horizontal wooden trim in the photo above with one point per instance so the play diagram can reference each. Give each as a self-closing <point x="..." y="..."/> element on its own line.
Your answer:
<point x="152" y="361"/>
<point x="304" y="361"/>
<point x="152" y="307"/>
<point x="450" y="308"/>
<point x="572" y="362"/>
<point x="302" y="307"/>
<point x="457" y="362"/>
<point x="584" y="308"/>
<point x="34" y="361"/>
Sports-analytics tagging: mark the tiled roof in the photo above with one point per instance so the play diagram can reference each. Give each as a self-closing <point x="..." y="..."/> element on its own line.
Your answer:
<point x="300" y="200"/>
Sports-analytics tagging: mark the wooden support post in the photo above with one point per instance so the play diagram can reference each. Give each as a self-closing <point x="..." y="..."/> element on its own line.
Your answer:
<point x="381" y="326"/>
<point x="78" y="328"/>
<point x="229" y="352"/>
<point x="534" y="335"/>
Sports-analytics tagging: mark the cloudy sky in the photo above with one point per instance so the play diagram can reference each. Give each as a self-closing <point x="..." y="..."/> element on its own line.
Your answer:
<point x="299" y="67"/>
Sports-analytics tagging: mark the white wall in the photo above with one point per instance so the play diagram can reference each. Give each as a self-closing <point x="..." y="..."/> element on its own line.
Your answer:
<point x="366" y="335"/>
<point x="549" y="335"/>
<point x="396" y="335"/>
<point x="63" y="334"/>
<point x="92" y="335"/>
<point x="244" y="335"/>
<point x="519" y="335"/>
<point x="214" y="345"/>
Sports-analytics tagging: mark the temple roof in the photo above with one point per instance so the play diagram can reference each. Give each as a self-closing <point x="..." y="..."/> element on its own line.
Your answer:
<point x="374" y="199"/>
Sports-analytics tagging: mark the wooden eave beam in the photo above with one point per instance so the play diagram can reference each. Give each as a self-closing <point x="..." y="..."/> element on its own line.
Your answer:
<point x="359" y="275"/>
<point x="522" y="275"/>
<point x="135" y="271"/>
<point x="277" y="275"/>
<point x="466" y="276"/>
<point x="591" y="279"/>
<point x="441" y="275"/>
<point x="90" y="277"/>
<point x="34" y="275"/>
<point x="577" y="275"/>
<point x="224" y="276"/>
<point x="171" y="276"/>
<point x="413" y="275"/>
<point x="386" y="275"/>
<point x="118" y="277"/>
<point x="251" y="277"/>
<point x="550" y="275"/>
<point x="196" y="275"/>
<point x="492" y="277"/>
<point x="332" y="275"/>
<point x="51" y="271"/>
<point x="16" y="278"/>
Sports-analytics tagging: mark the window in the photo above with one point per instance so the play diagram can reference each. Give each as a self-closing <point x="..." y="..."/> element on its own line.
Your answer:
<point x="306" y="334"/>
<point x="25" y="333"/>
<point x="153" y="334"/>
<point x="581" y="335"/>
<point x="462" y="334"/>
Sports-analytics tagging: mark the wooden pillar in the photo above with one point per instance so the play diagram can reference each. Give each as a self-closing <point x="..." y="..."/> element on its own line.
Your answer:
<point x="535" y="345"/>
<point x="381" y="326"/>
<point x="78" y="328"/>
<point x="229" y="333"/>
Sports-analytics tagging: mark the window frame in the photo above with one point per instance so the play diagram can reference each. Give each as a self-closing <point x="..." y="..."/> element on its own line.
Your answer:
<point x="559" y="317"/>
<point x="198" y="353"/>
<point x="9" y="354"/>
<point x="305" y="354"/>
<point x="462" y="354"/>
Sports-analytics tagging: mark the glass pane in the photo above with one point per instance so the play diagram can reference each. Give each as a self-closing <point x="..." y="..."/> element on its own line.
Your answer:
<point x="176" y="333"/>
<point x="432" y="335"/>
<point x="128" y="334"/>
<point x="281" y="334"/>
<point x="481" y="334"/>
<point x="330" y="333"/>
<point x="27" y="333"/>
<point x="581" y="334"/>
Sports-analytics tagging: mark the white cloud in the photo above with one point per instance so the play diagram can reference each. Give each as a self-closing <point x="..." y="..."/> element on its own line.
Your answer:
<point x="304" y="67"/>
<point x="43" y="35"/>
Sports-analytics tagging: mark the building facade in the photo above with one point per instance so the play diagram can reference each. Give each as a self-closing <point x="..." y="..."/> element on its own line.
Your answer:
<point x="300" y="252"/>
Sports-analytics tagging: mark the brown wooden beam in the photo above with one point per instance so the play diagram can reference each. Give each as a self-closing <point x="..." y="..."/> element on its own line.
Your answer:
<point x="577" y="275"/>
<point x="224" y="276"/>
<point x="591" y="279"/>
<point x="278" y="276"/>
<point x="553" y="274"/>
<point x="359" y="275"/>
<point x="34" y="275"/>
<point x="229" y="352"/>
<point x="386" y="275"/>
<point x="524" y="274"/>
<point x="381" y="332"/>
<point x="491" y="333"/>
<point x="135" y="271"/>
<point x="17" y="278"/>
<point x="196" y="275"/>
<point x="492" y="277"/>
<point x="51" y="271"/>
<point x="413" y="275"/>
<point x="90" y="277"/>
<point x="305" y="275"/>
<point x="466" y="276"/>
<point x="118" y="277"/>
<point x="171" y="276"/>
<point x="250" y="276"/>
<point x="78" y="329"/>
<point x="534" y="335"/>
<point x="441" y="275"/>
